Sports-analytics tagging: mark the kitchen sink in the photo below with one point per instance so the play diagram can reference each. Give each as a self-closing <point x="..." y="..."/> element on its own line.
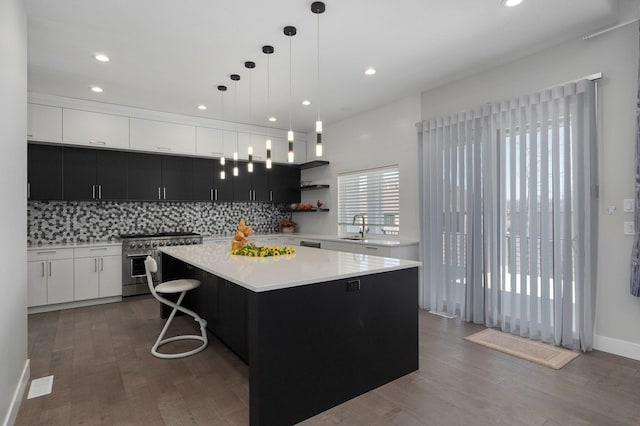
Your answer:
<point x="352" y="238"/>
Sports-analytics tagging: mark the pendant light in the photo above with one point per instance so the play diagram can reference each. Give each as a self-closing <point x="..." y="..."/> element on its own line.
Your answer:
<point x="222" y="89"/>
<point x="250" y="65"/>
<point x="290" y="31"/>
<point x="235" y="78"/>
<point x="268" y="50"/>
<point x="318" y="7"/>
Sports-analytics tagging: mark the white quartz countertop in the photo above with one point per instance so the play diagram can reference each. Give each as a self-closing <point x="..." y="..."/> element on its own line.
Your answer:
<point x="54" y="246"/>
<point x="306" y="266"/>
<point x="368" y="241"/>
<point x="321" y="237"/>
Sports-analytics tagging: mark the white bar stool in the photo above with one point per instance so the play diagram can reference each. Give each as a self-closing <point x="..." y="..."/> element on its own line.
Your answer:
<point x="172" y="287"/>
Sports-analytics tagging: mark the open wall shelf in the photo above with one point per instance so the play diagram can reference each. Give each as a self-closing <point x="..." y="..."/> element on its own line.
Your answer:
<point x="312" y="164"/>
<point x="310" y="187"/>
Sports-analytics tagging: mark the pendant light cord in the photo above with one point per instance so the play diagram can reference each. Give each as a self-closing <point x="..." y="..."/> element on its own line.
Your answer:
<point x="268" y="97"/>
<point x="318" y="50"/>
<point x="290" y="84"/>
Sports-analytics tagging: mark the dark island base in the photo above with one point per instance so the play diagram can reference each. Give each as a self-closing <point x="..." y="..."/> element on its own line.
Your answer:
<point x="312" y="347"/>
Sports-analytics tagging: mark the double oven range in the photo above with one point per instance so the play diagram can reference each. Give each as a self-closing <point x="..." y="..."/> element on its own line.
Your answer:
<point x="136" y="248"/>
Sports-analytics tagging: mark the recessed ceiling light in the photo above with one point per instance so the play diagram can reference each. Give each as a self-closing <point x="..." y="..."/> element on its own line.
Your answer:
<point x="96" y="89"/>
<point x="370" y="71"/>
<point x="306" y="102"/>
<point x="511" y="3"/>
<point x="101" y="57"/>
<point x="202" y="107"/>
<point x="272" y="119"/>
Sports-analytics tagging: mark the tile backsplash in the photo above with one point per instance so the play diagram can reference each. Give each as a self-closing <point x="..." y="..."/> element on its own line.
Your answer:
<point x="84" y="221"/>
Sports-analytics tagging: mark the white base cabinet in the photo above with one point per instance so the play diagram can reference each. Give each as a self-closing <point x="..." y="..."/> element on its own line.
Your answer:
<point x="50" y="277"/>
<point x="98" y="272"/>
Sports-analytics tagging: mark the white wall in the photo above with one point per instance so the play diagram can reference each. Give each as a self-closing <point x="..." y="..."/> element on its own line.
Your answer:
<point x="13" y="166"/>
<point x="382" y="137"/>
<point x="616" y="55"/>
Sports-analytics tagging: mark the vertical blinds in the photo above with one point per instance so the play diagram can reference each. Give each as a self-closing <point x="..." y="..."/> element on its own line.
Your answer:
<point x="374" y="193"/>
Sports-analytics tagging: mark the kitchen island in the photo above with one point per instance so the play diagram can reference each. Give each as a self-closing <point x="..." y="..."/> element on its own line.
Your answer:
<point x="316" y="328"/>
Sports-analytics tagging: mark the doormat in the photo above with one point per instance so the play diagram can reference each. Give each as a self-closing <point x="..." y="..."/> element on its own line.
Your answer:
<point x="540" y="353"/>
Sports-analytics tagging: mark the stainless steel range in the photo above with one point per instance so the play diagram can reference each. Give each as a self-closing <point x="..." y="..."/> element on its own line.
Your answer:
<point x="136" y="248"/>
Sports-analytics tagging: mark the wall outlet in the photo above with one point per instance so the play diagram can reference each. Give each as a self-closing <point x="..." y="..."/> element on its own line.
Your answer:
<point x="628" y="205"/>
<point x="629" y="228"/>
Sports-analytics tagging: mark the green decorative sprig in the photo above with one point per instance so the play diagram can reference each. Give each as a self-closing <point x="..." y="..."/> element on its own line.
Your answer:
<point x="258" y="251"/>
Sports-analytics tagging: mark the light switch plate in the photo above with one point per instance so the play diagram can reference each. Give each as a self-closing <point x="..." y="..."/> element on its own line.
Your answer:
<point x="628" y="205"/>
<point x="629" y="228"/>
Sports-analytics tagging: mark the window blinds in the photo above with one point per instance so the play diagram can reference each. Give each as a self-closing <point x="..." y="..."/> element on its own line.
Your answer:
<point x="374" y="193"/>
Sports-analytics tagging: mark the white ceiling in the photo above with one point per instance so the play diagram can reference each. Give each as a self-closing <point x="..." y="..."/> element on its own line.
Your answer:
<point x="170" y="55"/>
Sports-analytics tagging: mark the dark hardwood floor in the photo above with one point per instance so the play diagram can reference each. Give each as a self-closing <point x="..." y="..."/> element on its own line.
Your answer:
<point x="104" y="373"/>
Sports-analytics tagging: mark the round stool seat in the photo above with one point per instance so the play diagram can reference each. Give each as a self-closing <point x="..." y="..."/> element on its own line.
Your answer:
<point x="177" y="286"/>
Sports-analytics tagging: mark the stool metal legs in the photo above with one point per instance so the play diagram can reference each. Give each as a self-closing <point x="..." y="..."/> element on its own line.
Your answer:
<point x="161" y="341"/>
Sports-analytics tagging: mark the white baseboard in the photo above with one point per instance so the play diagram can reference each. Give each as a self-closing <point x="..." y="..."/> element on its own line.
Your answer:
<point x="12" y="414"/>
<point x="70" y="305"/>
<point x="617" y="347"/>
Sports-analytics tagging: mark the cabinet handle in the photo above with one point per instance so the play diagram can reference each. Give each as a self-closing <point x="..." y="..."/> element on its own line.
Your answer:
<point x="93" y="192"/>
<point x="250" y="195"/>
<point x="163" y="148"/>
<point x="371" y="248"/>
<point x="50" y="269"/>
<point x="95" y="265"/>
<point x="46" y="252"/>
<point x="102" y="264"/>
<point x="211" y="194"/>
<point x="98" y="249"/>
<point x="28" y="189"/>
<point x="219" y="154"/>
<point x="164" y="193"/>
<point x="270" y="195"/>
<point x="159" y="195"/>
<point x="30" y="135"/>
<point x="100" y="192"/>
<point x="215" y="197"/>
<point x="42" y="263"/>
<point x="96" y="142"/>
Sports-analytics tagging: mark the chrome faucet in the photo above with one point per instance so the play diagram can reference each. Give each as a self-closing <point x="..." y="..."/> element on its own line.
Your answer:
<point x="363" y="231"/>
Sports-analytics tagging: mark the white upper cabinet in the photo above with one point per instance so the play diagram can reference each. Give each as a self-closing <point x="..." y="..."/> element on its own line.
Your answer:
<point x="256" y="141"/>
<point x="229" y="143"/>
<point x="281" y="150"/>
<point x="44" y="123"/>
<point x="150" y="135"/>
<point x="95" y="129"/>
<point x="209" y="141"/>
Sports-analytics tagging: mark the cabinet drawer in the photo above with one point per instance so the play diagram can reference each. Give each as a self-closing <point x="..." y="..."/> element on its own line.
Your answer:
<point x="98" y="251"/>
<point x="49" y="254"/>
<point x="375" y="250"/>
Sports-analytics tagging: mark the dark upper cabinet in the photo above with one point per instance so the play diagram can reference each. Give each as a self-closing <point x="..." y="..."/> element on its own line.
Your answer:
<point x="251" y="186"/>
<point x="177" y="178"/>
<point x="207" y="185"/>
<point x="159" y="177"/>
<point x="44" y="172"/>
<point x="90" y="174"/>
<point x="111" y="175"/>
<point x="285" y="184"/>
<point x="223" y="188"/>
<point x="144" y="176"/>
<point x="202" y="179"/>
<point x="241" y="183"/>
